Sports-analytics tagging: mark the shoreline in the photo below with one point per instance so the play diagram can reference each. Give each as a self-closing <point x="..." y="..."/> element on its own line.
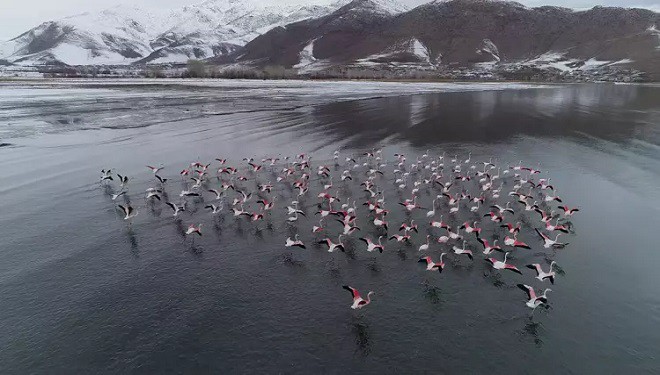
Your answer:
<point x="407" y="80"/>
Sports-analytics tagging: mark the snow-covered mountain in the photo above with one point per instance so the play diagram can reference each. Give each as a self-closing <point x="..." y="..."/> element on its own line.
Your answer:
<point x="124" y="35"/>
<point x="476" y="35"/>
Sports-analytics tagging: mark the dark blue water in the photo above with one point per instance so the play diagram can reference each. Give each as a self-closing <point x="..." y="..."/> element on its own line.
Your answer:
<point x="82" y="292"/>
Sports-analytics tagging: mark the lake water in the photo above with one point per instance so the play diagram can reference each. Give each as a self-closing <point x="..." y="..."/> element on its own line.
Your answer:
<point x="82" y="292"/>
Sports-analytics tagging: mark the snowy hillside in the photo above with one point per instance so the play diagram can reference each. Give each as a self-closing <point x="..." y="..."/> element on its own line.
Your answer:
<point x="123" y="35"/>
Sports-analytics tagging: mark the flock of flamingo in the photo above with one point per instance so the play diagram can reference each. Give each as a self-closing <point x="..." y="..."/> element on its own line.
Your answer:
<point x="452" y="186"/>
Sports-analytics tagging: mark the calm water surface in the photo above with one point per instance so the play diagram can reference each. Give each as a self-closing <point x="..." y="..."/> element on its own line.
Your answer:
<point x="82" y="293"/>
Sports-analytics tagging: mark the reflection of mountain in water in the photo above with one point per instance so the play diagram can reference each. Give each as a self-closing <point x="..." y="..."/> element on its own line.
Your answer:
<point x="613" y="113"/>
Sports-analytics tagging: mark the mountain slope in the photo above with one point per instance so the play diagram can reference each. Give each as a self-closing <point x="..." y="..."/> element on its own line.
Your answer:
<point x="111" y="36"/>
<point x="469" y="32"/>
<point x="124" y="35"/>
<point x="343" y="35"/>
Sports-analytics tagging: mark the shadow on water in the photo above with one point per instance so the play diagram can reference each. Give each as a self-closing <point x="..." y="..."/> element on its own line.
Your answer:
<point x="432" y="293"/>
<point x="534" y="330"/>
<point x="289" y="259"/>
<point x="180" y="229"/>
<point x="132" y="239"/>
<point x="362" y="335"/>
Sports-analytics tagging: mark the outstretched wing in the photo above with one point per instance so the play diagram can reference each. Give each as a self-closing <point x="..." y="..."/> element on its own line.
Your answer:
<point x="529" y="290"/>
<point x="353" y="291"/>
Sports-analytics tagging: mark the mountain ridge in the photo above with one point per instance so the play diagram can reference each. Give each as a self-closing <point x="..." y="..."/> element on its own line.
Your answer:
<point x="475" y="33"/>
<point x="128" y="34"/>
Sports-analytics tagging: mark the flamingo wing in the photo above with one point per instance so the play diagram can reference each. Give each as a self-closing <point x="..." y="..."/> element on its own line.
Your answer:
<point x="354" y="292"/>
<point x="536" y="267"/>
<point x="123" y="208"/>
<point x="482" y="241"/>
<point x="529" y="290"/>
<point x="543" y="236"/>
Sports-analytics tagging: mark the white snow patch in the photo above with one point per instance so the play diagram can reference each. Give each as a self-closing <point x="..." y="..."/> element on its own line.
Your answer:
<point x="487" y="46"/>
<point x="74" y="55"/>
<point x="411" y="46"/>
<point x="308" y="63"/>
<point x="623" y="61"/>
<point x="654" y="30"/>
<point x="558" y="60"/>
<point x="392" y="7"/>
<point x="593" y="63"/>
<point x="306" y="55"/>
<point x="420" y="50"/>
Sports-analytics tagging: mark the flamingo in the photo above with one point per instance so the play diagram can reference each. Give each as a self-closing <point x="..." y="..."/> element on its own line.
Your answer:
<point x="425" y="246"/>
<point x="569" y="211"/>
<point x="432" y="212"/>
<point x="371" y="246"/>
<point x="545" y="217"/>
<point x="333" y="246"/>
<point x="488" y="248"/>
<point x="294" y="209"/>
<point x="548" y="243"/>
<point x="153" y="193"/>
<point x="549" y="198"/>
<point x="319" y="228"/>
<point x="348" y="228"/>
<point x="400" y="238"/>
<point x="463" y="251"/>
<point x="358" y="302"/>
<point x="534" y="300"/>
<point x="409" y="228"/>
<point x="128" y="211"/>
<point x="471" y="229"/>
<point x="218" y="195"/>
<point x="494" y="217"/>
<point x="542" y="275"/>
<point x="550" y="227"/>
<point x="514" y="242"/>
<point x="155" y="170"/>
<point x="380" y="223"/>
<point x="410" y="206"/>
<point x="192" y="229"/>
<point x="176" y="208"/>
<point x="502" y="210"/>
<point x="294" y="218"/>
<point x="296" y="242"/>
<point x="502" y="265"/>
<point x="511" y="229"/>
<point x="439" y="224"/>
<point x="266" y="204"/>
<point x="255" y="216"/>
<point x="454" y="235"/>
<point x="214" y="209"/>
<point x="433" y="266"/>
<point x="123" y="180"/>
<point x="106" y="175"/>
<point x="324" y="213"/>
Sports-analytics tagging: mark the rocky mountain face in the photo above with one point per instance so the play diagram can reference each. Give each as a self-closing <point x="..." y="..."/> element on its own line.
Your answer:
<point x="443" y="38"/>
<point x="482" y="34"/>
<point x="125" y="35"/>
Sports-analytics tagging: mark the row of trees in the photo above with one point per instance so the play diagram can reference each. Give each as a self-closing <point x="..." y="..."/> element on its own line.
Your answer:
<point x="198" y="69"/>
